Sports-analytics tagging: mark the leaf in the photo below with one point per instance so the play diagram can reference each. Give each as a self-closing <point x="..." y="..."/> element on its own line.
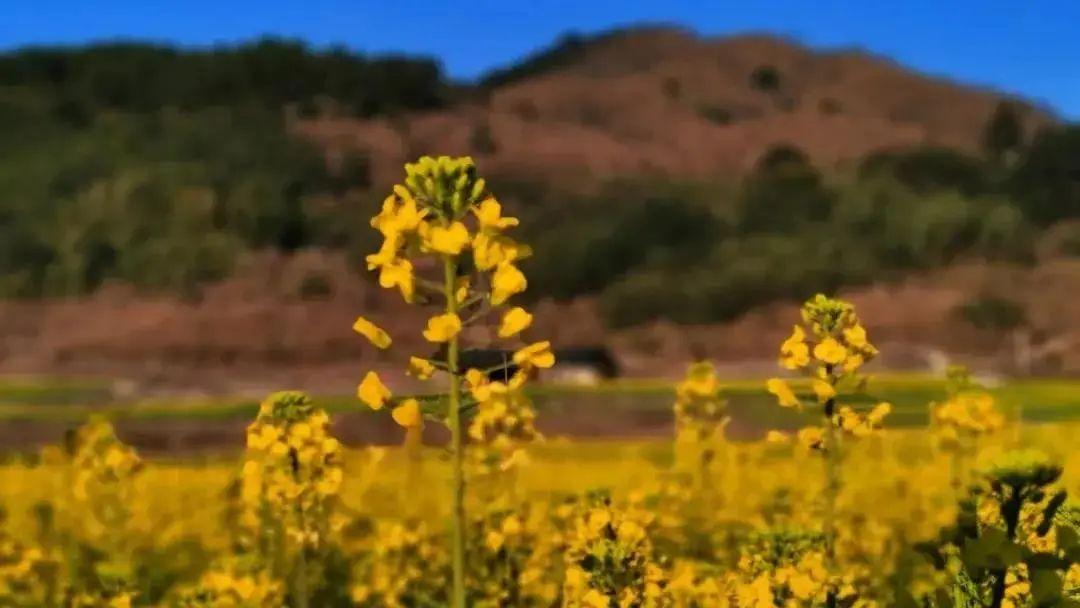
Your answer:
<point x="991" y="550"/>
<point x="1068" y="538"/>
<point x="1045" y="561"/>
<point x="1045" y="587"/>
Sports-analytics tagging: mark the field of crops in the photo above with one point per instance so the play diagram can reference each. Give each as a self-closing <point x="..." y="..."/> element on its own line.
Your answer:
<point x="744" y="528"/>
<point x="821" y="486"/>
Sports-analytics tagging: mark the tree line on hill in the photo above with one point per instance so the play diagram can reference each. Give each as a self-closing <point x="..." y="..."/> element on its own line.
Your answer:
<point x="157" y="167"/>
<point x="698" y="253"/>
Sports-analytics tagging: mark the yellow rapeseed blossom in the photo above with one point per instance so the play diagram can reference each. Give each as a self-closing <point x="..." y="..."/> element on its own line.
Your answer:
<point x="489" y="213"/>
<point x="421" y="368"/>
<point x="783" y="392"/>
<point x="822" y="389"/>
<point x="399" y="274"/>
<point x="372" y="391"/>
<point x="407" y="414"/>
<point x="830" y="351"/>
<point x="515" y="321"/>
<point x="507" y="281"/>
<point x="442" y="328"/>
<point x="448" y="240"/>
<point x="774" y="436"/>
<point x="375" y="334"/>
<point x="537" y="355"/>
<point x="811" y="437"/>
<point x="794" y="352"/>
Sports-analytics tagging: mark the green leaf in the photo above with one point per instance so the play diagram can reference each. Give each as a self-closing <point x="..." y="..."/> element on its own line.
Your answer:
<point x="1068" y="539"/>
<point x="1045" y="587"/>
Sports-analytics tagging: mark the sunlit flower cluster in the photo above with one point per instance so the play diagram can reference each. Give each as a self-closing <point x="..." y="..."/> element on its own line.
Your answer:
<point x="828" y="349"/>
<point x="292" y="473"/>
<point x="700" y="410"/>
<point x="610" y="561"/>
<point x="232" y="587"/>
<point x="443" y="222"/>
<point x="27" y="573"/>
<point x="967" y="412"/>
<point x="403" y="564"/>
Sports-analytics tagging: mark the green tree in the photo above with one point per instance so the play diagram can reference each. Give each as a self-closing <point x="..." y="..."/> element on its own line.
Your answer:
<point x="1046" y="180"/>
<point x="1004" y="132"/>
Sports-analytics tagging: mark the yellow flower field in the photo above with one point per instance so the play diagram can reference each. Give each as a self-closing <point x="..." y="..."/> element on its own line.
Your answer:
<point x="971" y="510"/>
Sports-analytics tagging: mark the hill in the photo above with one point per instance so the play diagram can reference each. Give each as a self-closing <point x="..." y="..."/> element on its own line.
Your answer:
<point x="666" y="102"/>
<point x="207" y="209"/>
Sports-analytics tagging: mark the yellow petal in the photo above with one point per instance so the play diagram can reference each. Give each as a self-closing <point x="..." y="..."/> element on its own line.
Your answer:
<point x="783" y="392"/>
<point x="449" y="240"/>
<point x="372" y="391"/>
<point x="442" y="328"/>
<point x="408" y="414"/>
<point x="830" y="351"/>
<point x="506" y="281"/>
<point x="776" y="437"/>
<point x="375" y="334"/>
<point x="823" y="390"/>
<point x="535" y="355"/>
<point x="514" y="322"/>
<point x="421" y="368"/>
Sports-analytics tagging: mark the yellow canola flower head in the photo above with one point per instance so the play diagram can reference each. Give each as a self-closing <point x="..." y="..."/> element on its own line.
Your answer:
<point x="372" y="391"/>
<point x="447" y="240"/>
<point x="811" y="438"/>
<point x="853" y="363"/>
<point x="515" y="321"/>
<point x="409" y="217"/>
<point x="478" y="384"/>
<point x="794" y="352"/>
<point x="408" y="414"/>
<point x="823" y="390"/>
<point x="535" y="355"/>
<point x="783" y="392"/>
<point x="489" y="214"/>
<point x="422" y="369"/>
<point x="490" y="250"/>
<point x="700" y="382"/>
<point x="387" y="253"/>
<point x="855" y="336"/>
<point x="878" y="414"/>
<point x="461" y="289"/>
<point x="775" y="436"/>
<point x="384" y="220"/>
<point x="830" y="352"/>
<point x="506" y="281"/>
<point x="595" y="599"/>
<point x="399" y="273"/>
<point x="442" y="328"/>
<point x="375" y="334"/>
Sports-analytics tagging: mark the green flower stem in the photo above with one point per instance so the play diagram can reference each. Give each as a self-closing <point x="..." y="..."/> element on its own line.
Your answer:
<point x="457" y="445"/>
<point x="832" y="489"/>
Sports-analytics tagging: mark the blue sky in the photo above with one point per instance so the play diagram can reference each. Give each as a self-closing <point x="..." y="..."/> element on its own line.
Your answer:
<point x="1028" y="47"/>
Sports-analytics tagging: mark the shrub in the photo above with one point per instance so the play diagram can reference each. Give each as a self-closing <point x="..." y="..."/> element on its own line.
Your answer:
<point x="992" y="312"/>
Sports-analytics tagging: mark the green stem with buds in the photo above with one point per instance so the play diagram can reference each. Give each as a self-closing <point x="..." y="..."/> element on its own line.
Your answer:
<point x="457" y="444"/>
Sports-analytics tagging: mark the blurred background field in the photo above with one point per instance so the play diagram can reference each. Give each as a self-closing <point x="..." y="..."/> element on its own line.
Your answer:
<point x="37" y="412"/>
<point x="192" y="217"/>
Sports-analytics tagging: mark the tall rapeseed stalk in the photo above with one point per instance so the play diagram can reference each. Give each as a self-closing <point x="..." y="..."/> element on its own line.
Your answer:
<point x="443" y="218"/>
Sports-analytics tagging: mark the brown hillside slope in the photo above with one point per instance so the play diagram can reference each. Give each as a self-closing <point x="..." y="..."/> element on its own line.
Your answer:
<point x="666" y="102"/>
<point x="259" y="330"/>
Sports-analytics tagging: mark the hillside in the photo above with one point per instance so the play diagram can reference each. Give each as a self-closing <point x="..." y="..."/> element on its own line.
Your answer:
<point x="196" y="218"/>
<point x="667" y="102"/>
